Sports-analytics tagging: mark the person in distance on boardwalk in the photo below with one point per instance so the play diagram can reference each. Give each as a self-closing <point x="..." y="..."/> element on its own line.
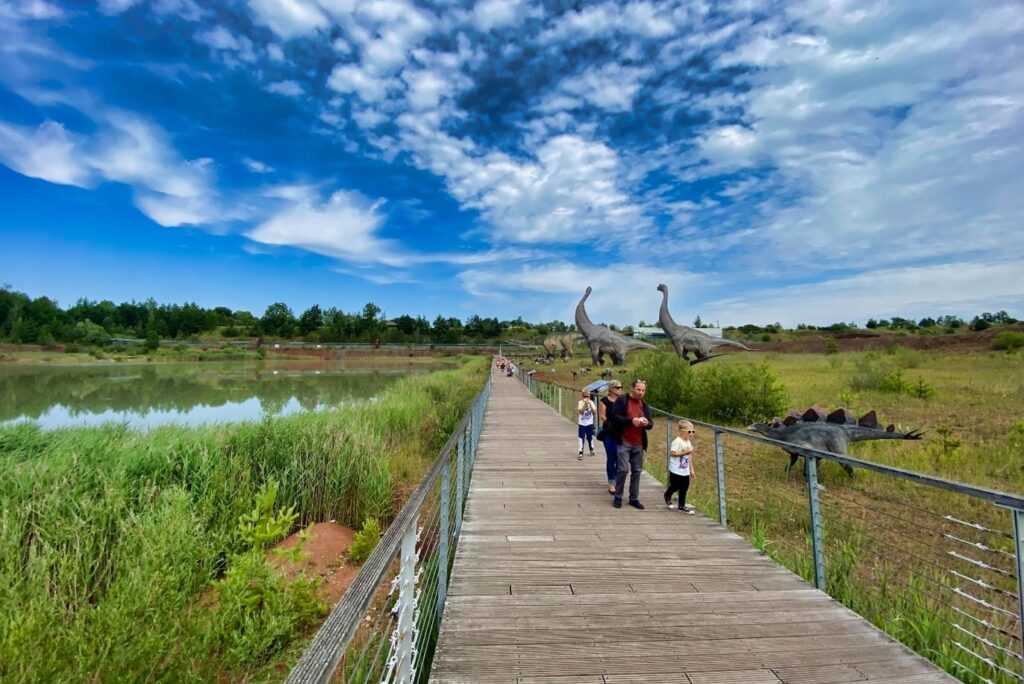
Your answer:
<point x="604" y="410"/>
<point x="585" y="409"/>
<point x="631" y="419"/>
<point x="680" y="466"/>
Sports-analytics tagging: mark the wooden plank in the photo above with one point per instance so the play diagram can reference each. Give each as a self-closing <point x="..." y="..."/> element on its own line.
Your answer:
<point x="552" y="585"/>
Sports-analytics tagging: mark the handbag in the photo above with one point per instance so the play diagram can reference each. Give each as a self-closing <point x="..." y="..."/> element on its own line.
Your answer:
<point x="600" y="434"/>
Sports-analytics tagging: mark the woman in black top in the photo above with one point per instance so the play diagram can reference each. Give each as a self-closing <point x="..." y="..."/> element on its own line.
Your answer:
<point x="604" y="410"/>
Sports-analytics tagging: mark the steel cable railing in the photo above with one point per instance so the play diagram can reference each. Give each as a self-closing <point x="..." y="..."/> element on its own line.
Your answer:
<point x="935" y="563"/>
<point x="385" y="627"/>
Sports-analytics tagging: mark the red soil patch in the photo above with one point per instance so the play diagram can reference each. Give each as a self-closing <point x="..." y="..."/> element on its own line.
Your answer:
<point x="324" y="557"/>
<point x="965" y="342"/>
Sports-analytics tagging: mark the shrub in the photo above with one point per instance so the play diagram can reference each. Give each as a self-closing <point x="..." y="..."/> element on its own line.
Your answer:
<point x="831" y="346"/>
<point x="885" y="373"/>
<point x="723" y="392"/>
<point x="1008" y="341"/>
<point x="365" y="541"/>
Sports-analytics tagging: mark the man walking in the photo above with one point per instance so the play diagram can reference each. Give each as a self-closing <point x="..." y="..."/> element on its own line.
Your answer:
<point x="631" y="419"/>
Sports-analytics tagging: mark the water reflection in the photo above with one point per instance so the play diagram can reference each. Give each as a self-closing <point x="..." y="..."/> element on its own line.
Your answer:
<point x="146" y="396"/>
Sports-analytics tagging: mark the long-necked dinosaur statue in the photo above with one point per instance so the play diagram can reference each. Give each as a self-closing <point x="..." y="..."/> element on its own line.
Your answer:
<point x="602" y="340"/>
<point x="686" y="339"/>
<point x="833" y="432"/>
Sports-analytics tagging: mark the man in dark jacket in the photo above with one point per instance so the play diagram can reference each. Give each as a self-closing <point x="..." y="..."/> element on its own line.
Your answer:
<point x="631" y="419"/>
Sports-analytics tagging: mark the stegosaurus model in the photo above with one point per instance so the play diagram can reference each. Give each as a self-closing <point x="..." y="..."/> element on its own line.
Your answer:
<point x="602" y="340"/>
<point x="833" y="432"/>
<point x="686" y="339"/>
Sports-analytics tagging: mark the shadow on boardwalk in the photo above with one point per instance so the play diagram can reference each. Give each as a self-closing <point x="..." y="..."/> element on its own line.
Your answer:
<point x="551" y="584"/>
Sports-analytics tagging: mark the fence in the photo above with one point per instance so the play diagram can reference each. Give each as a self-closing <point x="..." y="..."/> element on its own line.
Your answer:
<point x="384" y="628"/>
<point x="936" y="564"/>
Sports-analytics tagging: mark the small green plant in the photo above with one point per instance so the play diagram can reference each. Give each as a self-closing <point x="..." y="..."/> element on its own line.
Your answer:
<point x="949" y="441"/>
<point x="831" y="346"/>
<point x="365" y="541"/>
<point x="922" y="390"/>
<point x="261" y="352"/>
<point x="262" y="525"/>
<point x="758" y="535"/>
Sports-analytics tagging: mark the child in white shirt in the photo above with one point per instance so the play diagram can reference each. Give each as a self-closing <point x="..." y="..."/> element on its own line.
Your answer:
<point x="680" y="466"/>
<point x="585" y="423"/>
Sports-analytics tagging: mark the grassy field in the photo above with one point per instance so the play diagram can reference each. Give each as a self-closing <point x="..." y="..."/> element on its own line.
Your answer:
<point x="915" y="560"/>
<point x="128" y="556"/>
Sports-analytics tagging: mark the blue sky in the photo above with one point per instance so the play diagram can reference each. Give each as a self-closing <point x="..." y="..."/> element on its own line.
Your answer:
<point x="792" y="162"/>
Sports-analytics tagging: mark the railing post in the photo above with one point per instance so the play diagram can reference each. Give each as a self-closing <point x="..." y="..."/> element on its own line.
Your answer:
<point x="442" y="552"/>
<point x="459" y="482"/>
<point x="1018" y="539"/>
<point x="816" y="542"/>
<point x="406" y="651"/>
<point x="560" y="400"/>
<point x="720" y="468"/>
<point x="668" y="444"/>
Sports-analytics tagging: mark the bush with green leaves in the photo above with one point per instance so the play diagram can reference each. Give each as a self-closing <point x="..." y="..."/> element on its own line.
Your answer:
<point x="729" y="393"/>
<point x="1008" y="340"/>
<point x="885" y="373"/>
<point x="365" y="541"/>
<point x="259" y="611"/>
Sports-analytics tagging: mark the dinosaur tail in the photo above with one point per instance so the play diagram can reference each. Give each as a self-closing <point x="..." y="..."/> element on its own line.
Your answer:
<point x="863" y="434"/>
<point x="723" y="342"/>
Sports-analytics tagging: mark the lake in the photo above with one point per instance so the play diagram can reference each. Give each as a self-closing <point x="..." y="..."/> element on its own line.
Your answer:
<point x="145" y="396"/>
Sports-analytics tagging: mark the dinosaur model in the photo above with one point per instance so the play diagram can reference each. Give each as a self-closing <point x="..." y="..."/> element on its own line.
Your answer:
<point x="564" y="341"/>
<point x="602" y="340"/>
<point x="552" y="343"/>
<point x="686" y="339"/>
<point x="833" y="432"/>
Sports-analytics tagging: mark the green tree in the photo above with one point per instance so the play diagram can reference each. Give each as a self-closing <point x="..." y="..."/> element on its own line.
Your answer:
<point x="278" y="320"/>
<point x="310" y="320"/>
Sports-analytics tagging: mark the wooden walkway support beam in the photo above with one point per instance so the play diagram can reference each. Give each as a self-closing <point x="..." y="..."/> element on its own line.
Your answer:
<point x="553" y="585"/>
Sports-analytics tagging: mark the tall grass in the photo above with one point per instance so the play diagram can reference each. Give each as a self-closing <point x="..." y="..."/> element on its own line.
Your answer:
<point x="110" y="538"/>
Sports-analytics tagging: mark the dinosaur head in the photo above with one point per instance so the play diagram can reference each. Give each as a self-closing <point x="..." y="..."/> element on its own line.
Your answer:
<point x="663" y="288"/>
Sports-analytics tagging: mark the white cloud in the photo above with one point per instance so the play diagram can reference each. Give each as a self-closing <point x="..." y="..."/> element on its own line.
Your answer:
<point x="611" y="87"/>
<point x="623" y="293"/>
<point x="569" y="193"/>
<point x="31" y="9"/>
<point x="256" y="166"/>
<point x="287" y="88"/>
<point x="643" y="19"/>
<point x="352" y="78"/>
<point x="275" y="53"/>
<point x="343" y="227"/>
<point x="491" y="14"/>
<point x="891" y="133"/>
<point x="126" y="149"/>
<point x="116" y="6"/>
<point x="289" y="18"/>
<point x="231" y="46"/>
<point x="48" y="152"/>
<point x="953" y="288"/>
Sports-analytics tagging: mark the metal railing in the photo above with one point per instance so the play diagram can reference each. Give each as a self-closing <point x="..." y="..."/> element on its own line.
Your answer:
<point x="935" y="563"/>
<point x="384" y="629"/>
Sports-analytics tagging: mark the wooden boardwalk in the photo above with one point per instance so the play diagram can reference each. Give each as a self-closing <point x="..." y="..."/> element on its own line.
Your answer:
<point x="551" y="584"/>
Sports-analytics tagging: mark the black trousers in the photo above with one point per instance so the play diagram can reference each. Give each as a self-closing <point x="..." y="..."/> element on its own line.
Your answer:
<point x="677" y="483"/>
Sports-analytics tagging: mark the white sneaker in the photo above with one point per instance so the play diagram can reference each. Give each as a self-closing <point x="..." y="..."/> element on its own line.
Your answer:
<point x="670" y="506"/>
<point x="580" y="457"/>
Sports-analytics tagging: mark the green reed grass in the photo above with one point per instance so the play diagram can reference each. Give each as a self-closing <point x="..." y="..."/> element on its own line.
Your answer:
<point x="110" y="538"/>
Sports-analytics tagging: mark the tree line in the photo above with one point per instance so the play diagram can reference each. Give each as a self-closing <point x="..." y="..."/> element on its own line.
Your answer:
<point x="40" y="320"/>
